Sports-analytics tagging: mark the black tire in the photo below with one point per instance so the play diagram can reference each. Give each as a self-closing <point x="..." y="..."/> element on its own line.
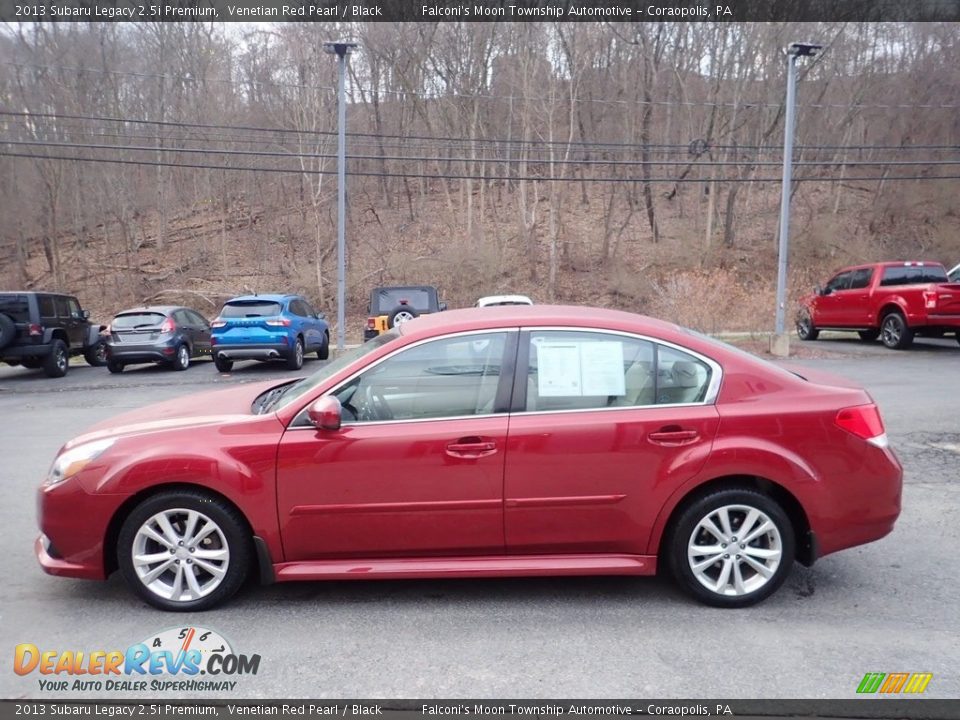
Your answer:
<point x="295" y="358"/>
<point x="957" y="337"/>
<point x="868" y="335"/>
<point x="686" y="533"/>
<point x="8" y="331"/>
<point x="894" y="331"/>
<point x="231" y="534"/>
<point x="115" y="366"/>
<point x="223" y="364"/>
<point x="96" y="354"/>
<point x="181" y="358"/>
<point x="57" y="363"/>
<point x="324" y="352"/>
<point x="805" y="327"/>
<point x="403" y="312"/>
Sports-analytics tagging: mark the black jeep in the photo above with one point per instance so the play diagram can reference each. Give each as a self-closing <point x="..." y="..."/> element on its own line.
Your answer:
<point x="42" y="330"/>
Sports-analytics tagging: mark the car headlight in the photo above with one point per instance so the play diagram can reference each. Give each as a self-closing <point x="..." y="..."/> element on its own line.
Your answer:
<point x="76" y="459"/>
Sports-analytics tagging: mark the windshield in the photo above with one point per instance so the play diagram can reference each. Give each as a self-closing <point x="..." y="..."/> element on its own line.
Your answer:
<point x="292" y="393"/>
<point x="387" y="299"/>
<point x="251" y="308"/>
<point x="135" y="320"/>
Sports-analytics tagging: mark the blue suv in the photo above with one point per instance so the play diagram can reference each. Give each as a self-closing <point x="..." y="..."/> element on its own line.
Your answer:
<point x="268" y="327"/>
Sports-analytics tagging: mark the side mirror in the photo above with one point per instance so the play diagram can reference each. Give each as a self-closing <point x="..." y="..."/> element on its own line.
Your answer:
<point x="325" y="413"/>
<point x="442" y="306"/>
<point x="85" y="314"/>
<point x="321" y="316"/>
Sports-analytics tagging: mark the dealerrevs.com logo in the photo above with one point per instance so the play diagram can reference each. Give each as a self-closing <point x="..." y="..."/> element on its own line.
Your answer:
<point x="190" y="659"/>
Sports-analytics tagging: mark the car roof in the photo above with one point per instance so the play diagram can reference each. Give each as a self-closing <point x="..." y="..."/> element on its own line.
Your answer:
<point x="536" y="315"/>
<point x="153" y="309"/>
<point x="265" y="297"/>
<point x="493" y="299"/>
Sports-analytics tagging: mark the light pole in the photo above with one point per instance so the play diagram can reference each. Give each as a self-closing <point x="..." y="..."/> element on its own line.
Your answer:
<point x="794" y="50"/>
<point x="341" y="50"/>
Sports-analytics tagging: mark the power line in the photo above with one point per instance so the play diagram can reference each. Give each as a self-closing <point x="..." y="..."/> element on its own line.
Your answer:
<point x="500" y="141"/>
<point x="498" y="161"/>
<point x="440" y="176"/>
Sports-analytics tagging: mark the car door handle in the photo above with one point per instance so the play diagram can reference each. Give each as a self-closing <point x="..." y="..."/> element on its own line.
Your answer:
<point x="673" y="436"/>
<point x="471" y="447"/>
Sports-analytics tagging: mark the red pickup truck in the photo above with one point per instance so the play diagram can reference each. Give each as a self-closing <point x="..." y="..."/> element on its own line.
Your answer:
<point x="891" y="300"/>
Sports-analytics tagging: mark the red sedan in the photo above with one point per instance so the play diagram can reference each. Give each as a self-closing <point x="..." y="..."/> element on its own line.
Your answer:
<point x="491" y="442"/>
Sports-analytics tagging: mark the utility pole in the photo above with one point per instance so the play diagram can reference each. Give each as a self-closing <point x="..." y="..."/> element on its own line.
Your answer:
<point x="341" y="50"/>
<point x="781" y="341"/>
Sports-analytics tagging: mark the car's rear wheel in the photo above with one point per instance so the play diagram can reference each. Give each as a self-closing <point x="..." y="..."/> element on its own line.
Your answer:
<point x="8" y="330"/>
<point x="96" y="354"/>
<point x="115" y="366"/>
<point x="181" y="361"/>
<point x="731" y="548"/>
<point x="324" y="352"/>
<point x="55" y="365"/>
<point x="223" y="364"/>
<point x="184" y="550"/>
<point x="868" y="335"/>
<point x="295" y="358"/>
<point x="957" y="336"/>
<point x="894" y="331"/>
<point x="805" y="327"/>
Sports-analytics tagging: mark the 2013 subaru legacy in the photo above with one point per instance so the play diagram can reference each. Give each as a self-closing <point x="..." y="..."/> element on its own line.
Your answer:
<point x="505" y="441"/>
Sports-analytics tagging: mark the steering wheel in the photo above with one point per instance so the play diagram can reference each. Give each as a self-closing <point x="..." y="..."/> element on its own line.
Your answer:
<point x="375" y="405"/>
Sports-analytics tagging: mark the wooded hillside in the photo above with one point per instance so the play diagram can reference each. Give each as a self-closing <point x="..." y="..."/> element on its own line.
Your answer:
<point x="629" y="165"/>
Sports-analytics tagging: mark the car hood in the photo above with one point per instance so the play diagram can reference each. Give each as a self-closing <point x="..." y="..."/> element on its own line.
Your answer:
<point x="205" y="408"/>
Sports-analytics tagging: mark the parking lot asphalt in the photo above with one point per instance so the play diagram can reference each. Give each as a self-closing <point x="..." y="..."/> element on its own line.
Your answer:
<point x="886" y="607"/>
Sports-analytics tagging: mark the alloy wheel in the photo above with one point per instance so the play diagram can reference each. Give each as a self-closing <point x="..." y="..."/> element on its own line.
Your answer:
<point x="402" y="317"/>
<point x="183" y="356"/>
<point x="180" y="555"/>
<point x="734" y="550"/>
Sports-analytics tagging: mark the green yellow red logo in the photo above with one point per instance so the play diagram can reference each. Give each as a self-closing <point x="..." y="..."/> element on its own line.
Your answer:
<point x="894" y="683"/>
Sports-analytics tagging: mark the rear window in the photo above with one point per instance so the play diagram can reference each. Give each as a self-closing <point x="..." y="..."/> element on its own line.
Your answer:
<point x="16" y="306"/>
<point x="253" y="308"/>
<point x="913" y="275"/>
<point x="129" y="321"/>
<point x="386" y="300"/>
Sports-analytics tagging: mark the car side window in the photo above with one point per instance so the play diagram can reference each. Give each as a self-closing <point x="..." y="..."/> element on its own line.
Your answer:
<point x="63" y="308"/>
<point x="197" y="319"/>
<point x="449" y="377"/>
<point x="296" y="307"/>
<point x="182" y="318"/>
<point x="574" y="370"/>
<point x="47" y="308"/>
<point x="839" y="282"/>
<point x="861" y="278"/>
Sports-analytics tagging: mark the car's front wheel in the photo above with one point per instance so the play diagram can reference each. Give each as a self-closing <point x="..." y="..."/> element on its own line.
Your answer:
<point x="184" y="550"/>
<point x="96" y="354"/>
<point x="324" y="352"/>
<point x="731" y="548"/>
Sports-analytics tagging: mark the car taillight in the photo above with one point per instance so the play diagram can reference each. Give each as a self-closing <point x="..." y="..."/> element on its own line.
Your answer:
<point x="930" y="299"/>
<point x="218" y="323"/>
<point x="34" y="330"/>
<point x="279" y="322"/>
<point x="863" y="421"/>
<point x="168" y="326"/>
<point x="371" y="323"/>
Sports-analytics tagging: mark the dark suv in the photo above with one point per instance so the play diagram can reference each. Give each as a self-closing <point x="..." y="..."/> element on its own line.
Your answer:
<point x="42" y="330"/>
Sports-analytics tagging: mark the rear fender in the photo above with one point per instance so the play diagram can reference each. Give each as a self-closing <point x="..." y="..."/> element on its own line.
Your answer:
<point x="739" y="457"/>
